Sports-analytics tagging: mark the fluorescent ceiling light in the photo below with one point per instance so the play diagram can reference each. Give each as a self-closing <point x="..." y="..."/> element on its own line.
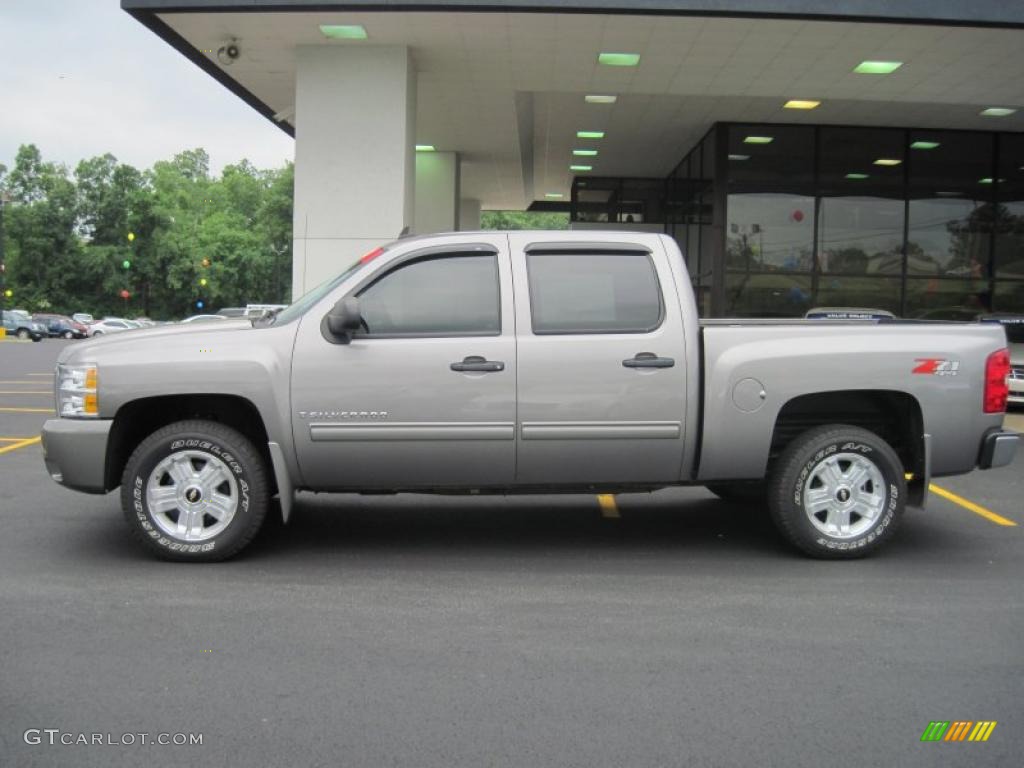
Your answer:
<point x="759" y="140"/>
<point x="739" y="157"/>
<point x="997" y="112"/>
<point x="877" y="67"/>
<point x="618" y="59"/>
<point x="343" y="31"/>
<point x="856" y="176"/>
<point x="553" y="195"/>
<point x="887" y="161"/>
<point x="924" y="145"/>
<point x="589" y="134"/>
<point x="585" y="152"/>
<point x="425" y="148"/>
<point x="801" y="104"/>
<point x="988" y="180"/>
<point x="597" y="98"/>
<point x="581" y="167"/>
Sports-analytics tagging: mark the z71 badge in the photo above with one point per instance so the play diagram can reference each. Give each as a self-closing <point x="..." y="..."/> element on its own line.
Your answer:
<point x="936" y="366"/>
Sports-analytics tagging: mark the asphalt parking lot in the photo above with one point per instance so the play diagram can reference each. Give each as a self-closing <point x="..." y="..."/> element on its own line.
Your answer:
<point x="420" y="631"/>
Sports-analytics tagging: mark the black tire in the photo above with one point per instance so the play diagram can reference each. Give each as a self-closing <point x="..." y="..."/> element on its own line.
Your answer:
<point x="740" y="492"/>
<point x="23" y="333"/>
<point x="97" y="333"/>
<point x="799" y="469"/>
<point x="244" y="467"/>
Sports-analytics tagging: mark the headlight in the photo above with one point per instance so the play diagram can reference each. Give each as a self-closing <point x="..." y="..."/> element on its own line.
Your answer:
<point x="76" y="392"/>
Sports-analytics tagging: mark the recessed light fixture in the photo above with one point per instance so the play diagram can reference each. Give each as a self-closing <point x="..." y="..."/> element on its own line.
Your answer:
<point x="581" y="167"/>
<point x="997" y="112"/>
<point x="618" y="59"/>
<point x="597" y="98"/>
<point x="801" y="104"/>
<point x="553" y="195"/>
<point x="739" y="157"/>
<point x="888" y="161"/>
<point x="856" y="176"/>
<point x="924" y="145"/>
<point x="877" y="67"/>
<point x="988" y="180"/>
<point x="343" y="31"/>
<point x="589" y="134"/>
<point x="425" y="148"/>
<point x="759" y="140"/>
<point x="585" y="152"/>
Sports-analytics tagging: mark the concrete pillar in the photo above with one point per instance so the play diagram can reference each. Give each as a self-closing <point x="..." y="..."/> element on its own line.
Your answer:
<point x="437" y="192"/>
<point x="469" y="214"/>
<point x="355" y="120"/>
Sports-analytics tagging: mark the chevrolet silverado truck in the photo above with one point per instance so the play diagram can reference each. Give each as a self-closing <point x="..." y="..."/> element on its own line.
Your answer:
<point x="524" y="362"/>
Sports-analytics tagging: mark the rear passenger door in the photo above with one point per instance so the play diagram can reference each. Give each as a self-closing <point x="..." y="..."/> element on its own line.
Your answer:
<point x="602" y="370"/>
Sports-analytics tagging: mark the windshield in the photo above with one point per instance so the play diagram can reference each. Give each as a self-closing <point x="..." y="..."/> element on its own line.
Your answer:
<point x="298" y="308"/>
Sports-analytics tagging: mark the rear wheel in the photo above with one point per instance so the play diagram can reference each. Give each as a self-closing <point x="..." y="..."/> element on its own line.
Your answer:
<point x="23" y="333"/>
<point x="195" y="491"/>
<point x="837" y="492"/>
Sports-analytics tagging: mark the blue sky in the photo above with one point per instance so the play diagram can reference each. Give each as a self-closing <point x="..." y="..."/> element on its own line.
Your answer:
<point x="81" y="77"/>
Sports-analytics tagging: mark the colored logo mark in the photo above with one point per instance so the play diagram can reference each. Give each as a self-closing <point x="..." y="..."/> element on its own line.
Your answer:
<point x="959" y="730"/>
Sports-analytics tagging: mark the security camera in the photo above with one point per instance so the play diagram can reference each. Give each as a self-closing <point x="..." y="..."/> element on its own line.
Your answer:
<point x="228" y="53"/>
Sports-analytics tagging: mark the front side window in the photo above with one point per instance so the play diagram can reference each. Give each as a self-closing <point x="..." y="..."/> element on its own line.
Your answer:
<point x="593" y="293"/>
<point x="449" y="295"/>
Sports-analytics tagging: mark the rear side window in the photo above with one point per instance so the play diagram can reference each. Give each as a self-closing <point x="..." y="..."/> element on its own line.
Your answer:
<point x="454" y="295"/>
<point x="593" y="293"/>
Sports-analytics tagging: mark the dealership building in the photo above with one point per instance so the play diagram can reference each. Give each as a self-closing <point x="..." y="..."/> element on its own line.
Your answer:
<point x="802" y="152"/>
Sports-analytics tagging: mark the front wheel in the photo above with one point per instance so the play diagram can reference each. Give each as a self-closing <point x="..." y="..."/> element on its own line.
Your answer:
<point x="195" y="491"/>
<point x="837" y="492"/>
<point x="23" y="333"/>
<point x="68" y="335"/>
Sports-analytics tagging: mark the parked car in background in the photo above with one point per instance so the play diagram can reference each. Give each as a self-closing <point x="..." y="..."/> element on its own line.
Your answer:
<point x="61" y="326"/>
<point x="23" y="328"/>
<point x="203" y="318"/>
<point x="83" y="317"/>
<point x="110" y="325"/>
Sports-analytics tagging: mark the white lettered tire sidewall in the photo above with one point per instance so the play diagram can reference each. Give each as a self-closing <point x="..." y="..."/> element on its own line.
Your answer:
<point x="227" y="445"/>
<point x="794" y="467"/>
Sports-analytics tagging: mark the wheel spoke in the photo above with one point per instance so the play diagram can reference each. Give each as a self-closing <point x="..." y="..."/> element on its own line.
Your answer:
<point x="219" y="506"/>
<point x="833" y="474"/>
<point x="857" y="476"/>
<point x="181" y="470"/>
<point x="162" y="499"/>
<point x="839" y="520"/>
<point x="211" y="476"/>
<point x="817" y="499"/>
<point x="190" y="524"/>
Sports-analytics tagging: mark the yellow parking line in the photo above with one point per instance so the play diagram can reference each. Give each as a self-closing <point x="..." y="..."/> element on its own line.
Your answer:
<point x="21" y="444"/>
<point x="26" y="410"/>
<point x="25" y="392"/>
<point x="988" y="514"/>
<point x="609" y="509"/>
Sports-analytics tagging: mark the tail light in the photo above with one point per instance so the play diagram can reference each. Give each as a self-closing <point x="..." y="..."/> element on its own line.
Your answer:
<point x="997" y="369"/>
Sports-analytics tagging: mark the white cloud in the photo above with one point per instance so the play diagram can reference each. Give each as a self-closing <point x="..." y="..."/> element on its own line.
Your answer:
<point x="82" y="77"/>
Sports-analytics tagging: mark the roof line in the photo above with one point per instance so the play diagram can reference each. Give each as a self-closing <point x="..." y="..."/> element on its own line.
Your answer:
<point x="155" y="24"/>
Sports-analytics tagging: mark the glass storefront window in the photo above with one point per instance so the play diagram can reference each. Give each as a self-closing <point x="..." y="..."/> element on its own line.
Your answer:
<point x="936" y="298"/>
<point x="1009" y="296"/>
<point x="770" y="232"/>
<point x="951" y="211"/>
<point x="860" y="218"/>
<point x="767" y="295"/>
<point x="857" y="291"/>
<point x="1009" y="219"/>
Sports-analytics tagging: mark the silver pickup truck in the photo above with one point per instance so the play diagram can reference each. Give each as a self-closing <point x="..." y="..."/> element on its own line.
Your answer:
<point x="524" y="362"/>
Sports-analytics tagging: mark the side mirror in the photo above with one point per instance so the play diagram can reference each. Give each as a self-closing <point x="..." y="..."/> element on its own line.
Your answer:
<point x="344" y="319"/>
